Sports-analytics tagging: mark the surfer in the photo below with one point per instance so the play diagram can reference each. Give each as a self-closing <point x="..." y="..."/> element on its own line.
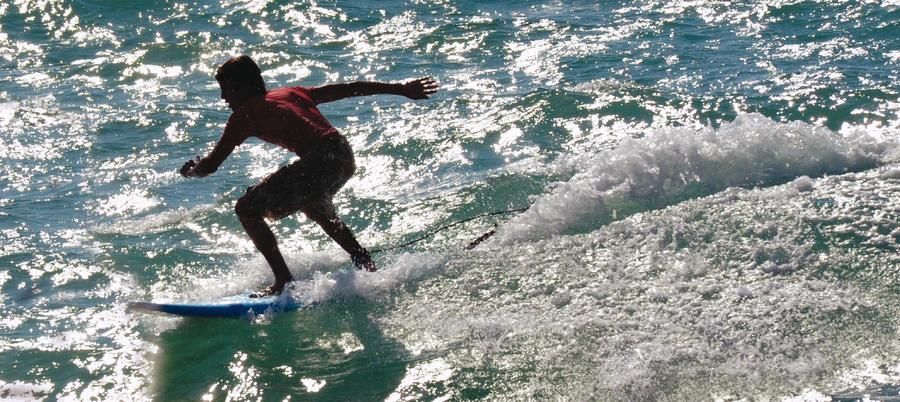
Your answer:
<point x="288" y="117"/>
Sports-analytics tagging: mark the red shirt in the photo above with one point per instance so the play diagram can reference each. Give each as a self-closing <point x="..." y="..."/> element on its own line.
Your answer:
<point x="286" y="117"/>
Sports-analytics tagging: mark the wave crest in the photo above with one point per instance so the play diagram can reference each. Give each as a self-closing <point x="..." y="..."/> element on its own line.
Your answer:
<point x="676" y="164"/>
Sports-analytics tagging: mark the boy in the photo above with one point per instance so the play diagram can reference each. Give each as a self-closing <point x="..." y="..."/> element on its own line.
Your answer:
<point x="288" y="117"/>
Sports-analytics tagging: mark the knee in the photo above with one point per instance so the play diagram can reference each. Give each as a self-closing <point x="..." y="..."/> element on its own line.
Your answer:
<point x="320" y="212"/>
<point x="244" y="210"/>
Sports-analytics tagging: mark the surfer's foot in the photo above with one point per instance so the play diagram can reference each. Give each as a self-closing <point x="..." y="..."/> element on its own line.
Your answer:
<point x="269" y="291"/>
<point x="273" y="290"/>
<point x="364" y="261"/>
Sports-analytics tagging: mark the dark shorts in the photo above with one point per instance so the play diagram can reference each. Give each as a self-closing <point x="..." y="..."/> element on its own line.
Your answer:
<point x="309" y="182"/>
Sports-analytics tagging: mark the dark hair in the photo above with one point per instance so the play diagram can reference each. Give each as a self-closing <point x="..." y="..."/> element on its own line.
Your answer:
<point x="242" y="74"/>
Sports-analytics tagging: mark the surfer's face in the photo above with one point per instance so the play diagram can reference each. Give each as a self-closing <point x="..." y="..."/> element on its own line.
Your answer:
<point x="229" y="95"/>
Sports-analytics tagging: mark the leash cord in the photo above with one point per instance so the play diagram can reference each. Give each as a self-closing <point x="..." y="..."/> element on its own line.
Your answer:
<point x="448" y="226"/>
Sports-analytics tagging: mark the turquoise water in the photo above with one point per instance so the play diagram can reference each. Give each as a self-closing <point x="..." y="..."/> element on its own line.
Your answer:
<point x="714" y="193"/>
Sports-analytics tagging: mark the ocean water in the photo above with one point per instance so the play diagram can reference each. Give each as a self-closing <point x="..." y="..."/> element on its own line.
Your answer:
<point x="714" y="192"/>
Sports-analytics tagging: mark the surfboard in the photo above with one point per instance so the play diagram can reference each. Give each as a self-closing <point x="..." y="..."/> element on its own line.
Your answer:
<point x="238" y="306"/>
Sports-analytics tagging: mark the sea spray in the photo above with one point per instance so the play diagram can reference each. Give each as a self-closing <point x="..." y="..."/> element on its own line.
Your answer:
<point x="676" y="164"/>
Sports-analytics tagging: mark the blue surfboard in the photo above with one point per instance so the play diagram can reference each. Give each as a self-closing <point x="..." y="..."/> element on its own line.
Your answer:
<point x="238" y="306"/>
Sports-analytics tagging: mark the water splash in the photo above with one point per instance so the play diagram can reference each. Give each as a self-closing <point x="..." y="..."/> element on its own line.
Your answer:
<point x="677" y="164"/>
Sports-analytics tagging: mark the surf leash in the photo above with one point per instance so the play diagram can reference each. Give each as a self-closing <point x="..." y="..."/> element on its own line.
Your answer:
<point x="448" y="226"/>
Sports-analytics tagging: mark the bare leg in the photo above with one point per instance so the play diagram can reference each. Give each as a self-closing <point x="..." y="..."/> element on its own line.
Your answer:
<point x="324" y="214"/>
<point x="265" y="242"/>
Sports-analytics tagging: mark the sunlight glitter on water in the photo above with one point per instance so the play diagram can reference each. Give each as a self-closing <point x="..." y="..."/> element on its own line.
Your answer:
<point x="313" y="385"/>
<point x="398" y="32"/>
<point x="554" y="103"/>
<point x="423" y="375"/>
<point x="347" y="343"/>
<point x="128" y="202"/>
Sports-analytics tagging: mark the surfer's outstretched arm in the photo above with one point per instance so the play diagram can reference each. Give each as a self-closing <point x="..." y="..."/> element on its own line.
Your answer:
<point x="415" y="89"/>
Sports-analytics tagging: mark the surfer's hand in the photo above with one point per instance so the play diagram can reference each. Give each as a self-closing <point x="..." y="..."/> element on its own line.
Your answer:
<point x="187" y="170"/>
<point x="420" y="88"/>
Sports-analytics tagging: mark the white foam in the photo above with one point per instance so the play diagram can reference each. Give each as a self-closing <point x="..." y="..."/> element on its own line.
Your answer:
<point x="729" y="294"/>
<point x="405" y="268"/>
<point x="318" y="278"/>
<point x="891" y="174"/>
<point x="803" y="184"/>
<point x="672" y="164"/>
<point x="24" y="391"/>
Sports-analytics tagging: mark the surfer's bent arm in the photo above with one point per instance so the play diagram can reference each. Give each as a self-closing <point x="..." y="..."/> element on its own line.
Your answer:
<point x="415" y="89"/>
<point x="202" y="167"/>
<point x="208" y="165"/>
